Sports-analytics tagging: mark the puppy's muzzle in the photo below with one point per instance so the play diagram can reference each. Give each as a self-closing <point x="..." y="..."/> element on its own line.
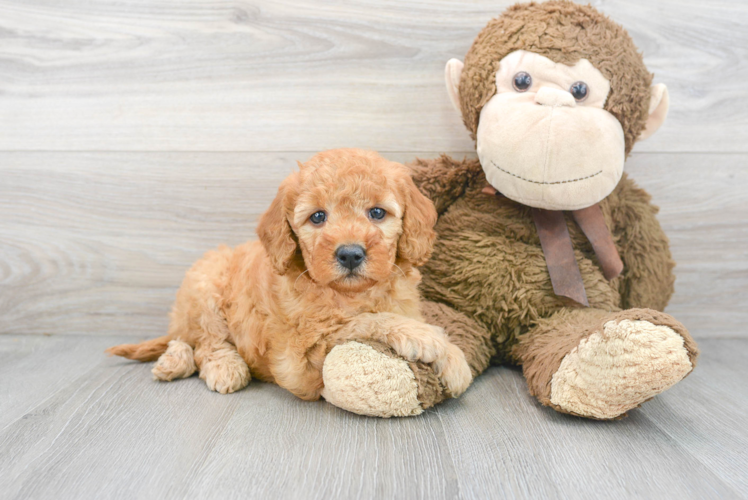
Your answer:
<point x="350" y="256"/>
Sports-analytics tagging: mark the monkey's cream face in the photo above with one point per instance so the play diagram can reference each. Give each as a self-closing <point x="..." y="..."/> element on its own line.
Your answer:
<point x="544" y="139"/>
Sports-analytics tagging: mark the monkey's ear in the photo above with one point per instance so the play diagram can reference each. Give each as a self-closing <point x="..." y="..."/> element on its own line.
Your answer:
<point x="452" y="73"/>
<point x="658" y="106"/>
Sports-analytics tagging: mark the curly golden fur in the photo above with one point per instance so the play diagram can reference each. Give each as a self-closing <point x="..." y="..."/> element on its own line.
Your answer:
<point x="274" y="308"/>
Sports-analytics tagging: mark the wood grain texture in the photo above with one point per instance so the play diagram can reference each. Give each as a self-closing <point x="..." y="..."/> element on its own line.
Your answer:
<point x="35" y="367"/>
<point x="304" y="75"/>
<point x="99" y="242"/>
<point x="707" y="412"/>
<point x="703" y="207"/>
<point x="137" y="134"/>
<point x="107" y="430"/>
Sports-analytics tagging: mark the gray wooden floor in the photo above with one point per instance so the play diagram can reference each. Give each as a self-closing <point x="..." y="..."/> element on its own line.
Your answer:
<point x="136" y="134"/>
<point x="74" y="424"/>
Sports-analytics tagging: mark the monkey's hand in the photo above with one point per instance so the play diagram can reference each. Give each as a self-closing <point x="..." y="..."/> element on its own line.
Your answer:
<point x="369" y="378"/>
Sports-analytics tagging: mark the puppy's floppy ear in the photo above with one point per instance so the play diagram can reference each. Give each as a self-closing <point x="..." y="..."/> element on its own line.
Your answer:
<point x="274" y="229"/>
<point x="419" y="217"/>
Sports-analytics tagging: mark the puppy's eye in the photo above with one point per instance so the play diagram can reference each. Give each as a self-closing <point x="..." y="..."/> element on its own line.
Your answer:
<point x="318" y="218"/>
<point x="522" y="81"/>
<point x="579" y="91"/>
<point x="377" y="213"/>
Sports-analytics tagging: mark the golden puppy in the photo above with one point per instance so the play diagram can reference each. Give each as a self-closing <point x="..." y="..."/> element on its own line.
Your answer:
<point x="335" y="262"/>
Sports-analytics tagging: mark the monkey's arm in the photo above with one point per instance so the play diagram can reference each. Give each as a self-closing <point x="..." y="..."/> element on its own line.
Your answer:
<point x="369" y="377"/>
<point x="647" y="279"/>
<point x="444" y="179"/>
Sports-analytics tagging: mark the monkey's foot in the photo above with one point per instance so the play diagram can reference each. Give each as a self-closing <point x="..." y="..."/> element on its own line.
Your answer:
<point x="363" y="380"/>
<point x="369" y="378"/>
<point x="613" y="370"/>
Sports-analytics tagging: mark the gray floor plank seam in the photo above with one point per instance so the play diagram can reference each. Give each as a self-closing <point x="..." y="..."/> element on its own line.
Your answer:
<point x="104" y="429"/>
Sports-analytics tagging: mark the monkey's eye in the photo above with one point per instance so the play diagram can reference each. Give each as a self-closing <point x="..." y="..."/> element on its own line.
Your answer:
<point x="522" y="81"/>
<point x="318" y="218"/>
<point x="377" y="213"/>
<point x="579" y="91"/>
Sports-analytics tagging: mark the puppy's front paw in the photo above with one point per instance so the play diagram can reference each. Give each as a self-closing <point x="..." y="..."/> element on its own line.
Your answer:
<point x="429" y="344"/>
<point x="226" y="372"/>
<point x="453" y="371"/>
<point x="420" y="342"/>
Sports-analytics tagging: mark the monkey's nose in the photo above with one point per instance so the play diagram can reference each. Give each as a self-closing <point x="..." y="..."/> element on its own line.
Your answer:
<point x="548" y="96"/>
<point x="350" y="256"/>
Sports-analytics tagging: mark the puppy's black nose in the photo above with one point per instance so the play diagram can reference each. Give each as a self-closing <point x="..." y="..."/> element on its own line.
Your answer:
<point x="350" y="256"/>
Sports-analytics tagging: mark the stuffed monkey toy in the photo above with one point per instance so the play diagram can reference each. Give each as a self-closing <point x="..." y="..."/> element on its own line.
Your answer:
<point x="548" y="256"/>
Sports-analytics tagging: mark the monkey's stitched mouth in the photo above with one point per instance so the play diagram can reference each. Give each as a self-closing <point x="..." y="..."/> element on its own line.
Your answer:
<point x="546" y="183"/>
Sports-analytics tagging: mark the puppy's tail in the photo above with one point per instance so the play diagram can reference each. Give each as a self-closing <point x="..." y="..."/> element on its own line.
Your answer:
<point x="149" y="350"/>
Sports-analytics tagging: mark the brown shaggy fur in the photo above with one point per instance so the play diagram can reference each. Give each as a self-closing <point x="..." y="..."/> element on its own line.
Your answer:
<point x="488" y="266"/>
<point x="489" y="269"/>
<point x="278" y="306"/>
<point x="564" y="32"/>
<point x="488" y="263"/>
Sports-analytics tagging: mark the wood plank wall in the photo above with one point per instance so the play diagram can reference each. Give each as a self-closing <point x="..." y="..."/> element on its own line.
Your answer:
<point x="136" y="135"/>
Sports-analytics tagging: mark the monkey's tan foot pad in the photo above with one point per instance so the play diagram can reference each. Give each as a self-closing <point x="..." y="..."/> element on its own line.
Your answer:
<point x="619" y="368"/>
<point x="362" y="380"/>
<point x="177" y="362"/>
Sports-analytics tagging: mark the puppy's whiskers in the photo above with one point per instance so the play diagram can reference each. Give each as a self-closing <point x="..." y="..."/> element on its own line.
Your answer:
<point x="403" y="272"/>
<point x="299" y="277"/>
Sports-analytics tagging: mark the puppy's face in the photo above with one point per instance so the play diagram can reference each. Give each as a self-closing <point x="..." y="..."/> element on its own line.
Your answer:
<point x="352" y="214"/>
<point x="348" y="218"/>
